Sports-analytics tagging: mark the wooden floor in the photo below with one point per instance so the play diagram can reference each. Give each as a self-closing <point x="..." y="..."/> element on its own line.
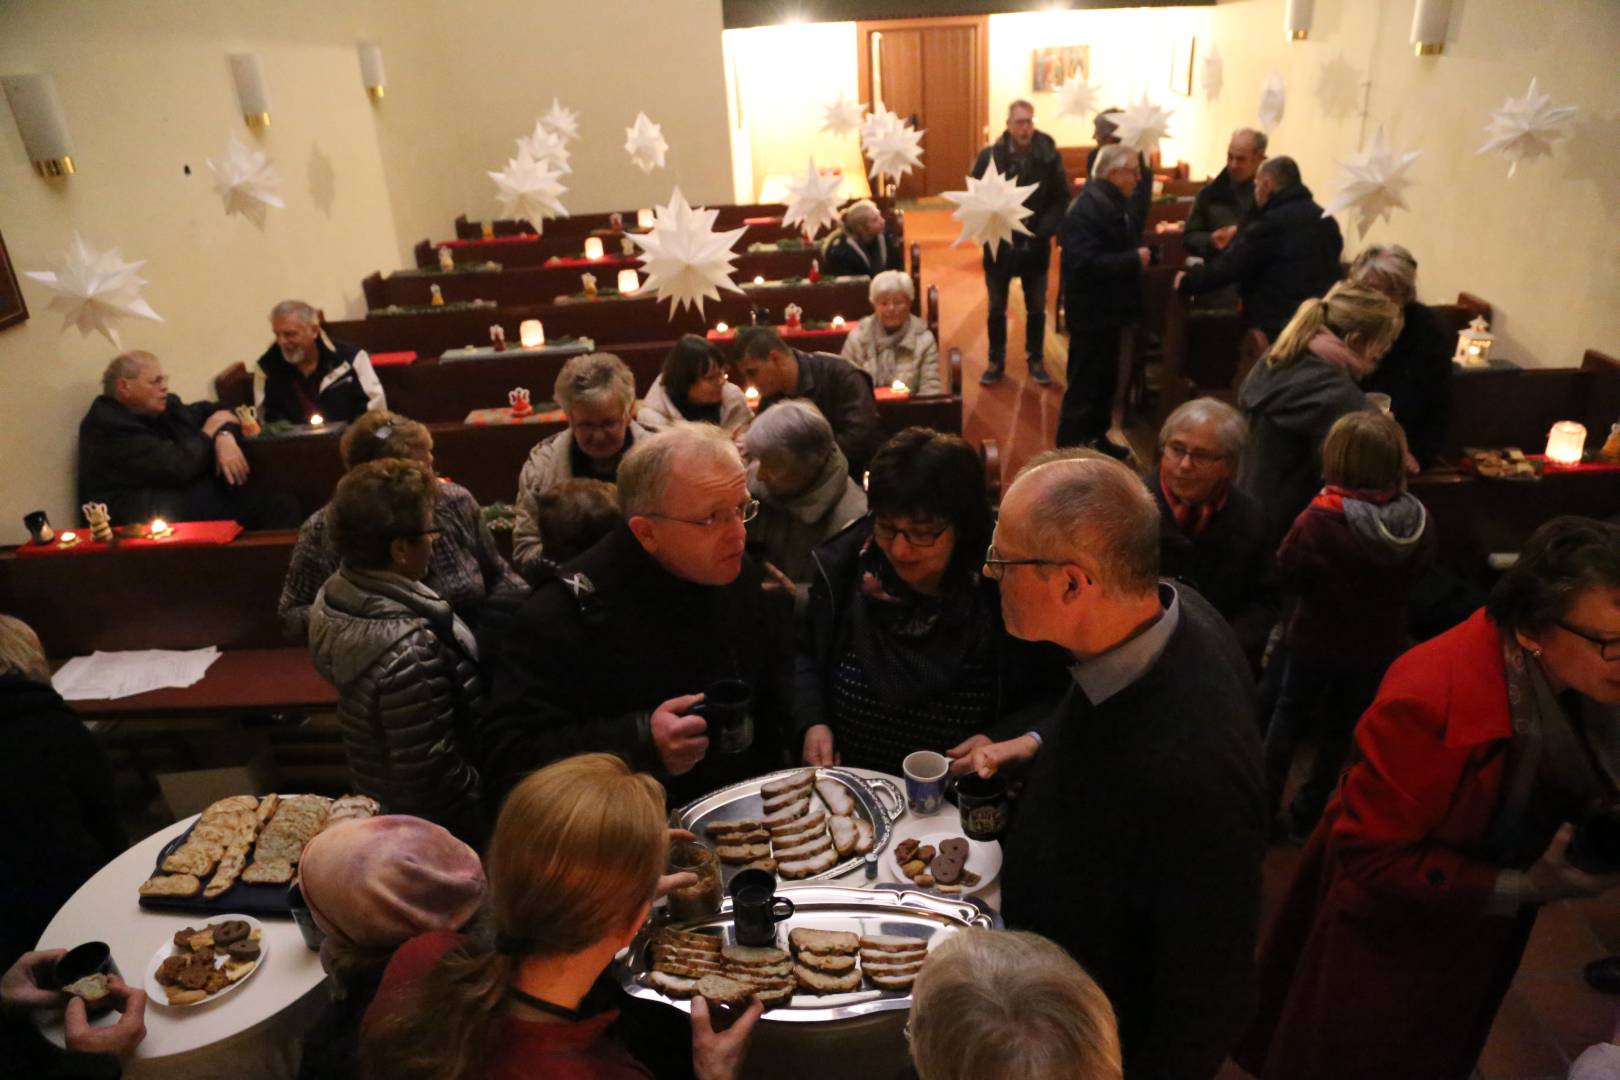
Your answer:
<point x="1550" y="1015"/>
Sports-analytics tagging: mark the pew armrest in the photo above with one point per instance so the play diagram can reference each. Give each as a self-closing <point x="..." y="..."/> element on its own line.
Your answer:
<point x="234" y="386"/>
<point x="953" y="358"/>
<point x="990" y="457"/>
<point x="1474" y="305"/>
<point x="933" y="312"/>
<point x="426" y="257"/>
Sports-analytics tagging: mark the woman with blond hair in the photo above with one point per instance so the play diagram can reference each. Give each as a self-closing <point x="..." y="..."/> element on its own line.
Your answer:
<point x="573" y="869"/>
<point x="1305" y="382"/>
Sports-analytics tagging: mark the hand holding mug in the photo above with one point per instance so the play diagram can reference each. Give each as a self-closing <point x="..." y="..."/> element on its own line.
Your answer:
<point x="680" y="738"/>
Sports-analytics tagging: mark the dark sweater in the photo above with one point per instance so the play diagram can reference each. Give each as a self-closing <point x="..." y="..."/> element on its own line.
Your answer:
<point x="843" y="393"/>
<point x="1219" y="203"/>
<point x="1102" y="272"/>
<point x="1230" y="564"/>
<point x="1416" y="374"/>
<point x="142" y="466"/>
<point x="1137" y="847"/>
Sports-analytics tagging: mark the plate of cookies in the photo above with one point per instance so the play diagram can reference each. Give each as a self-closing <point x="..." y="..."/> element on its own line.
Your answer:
<point x="946" y="863"/>
<point x="206" y="961"/>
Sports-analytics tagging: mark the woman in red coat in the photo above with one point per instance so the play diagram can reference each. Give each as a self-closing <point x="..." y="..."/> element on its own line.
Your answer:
<point x="1411" y="909"/>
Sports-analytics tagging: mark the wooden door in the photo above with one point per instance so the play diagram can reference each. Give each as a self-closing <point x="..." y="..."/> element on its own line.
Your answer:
<point x="935" y="73"/>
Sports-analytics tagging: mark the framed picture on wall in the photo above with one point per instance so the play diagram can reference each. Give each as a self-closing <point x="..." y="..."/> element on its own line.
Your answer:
<point x="1053" y="65"/>
<point x="1182" y="51"/>
<point x="12" y="308"/>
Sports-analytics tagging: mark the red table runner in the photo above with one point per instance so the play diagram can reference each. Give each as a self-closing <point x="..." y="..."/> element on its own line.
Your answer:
<point x="186" y="534"/>
<point x="525" y="239"/>
<point x="504" y="415"/>
<point x="392" y="359"/>
<point x="579" y="262"/>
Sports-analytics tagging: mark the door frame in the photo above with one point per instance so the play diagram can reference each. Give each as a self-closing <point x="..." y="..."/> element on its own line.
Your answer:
<point x="863" y="50"/>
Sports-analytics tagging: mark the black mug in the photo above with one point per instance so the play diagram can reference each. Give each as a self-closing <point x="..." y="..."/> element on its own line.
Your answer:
<point x="39" y="527"/>
<point x="755" y="911"/>
<point x="726" y="706"/>
<point x="312" y="934"/>
<point x="983" y="804"/>
<point x="82" y="961"/>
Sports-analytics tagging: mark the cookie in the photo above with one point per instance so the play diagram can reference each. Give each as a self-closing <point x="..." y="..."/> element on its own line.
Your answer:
<point x="168" y="972"/>
<point x="181" y="996"/>
<point x="195" y="976"/>
<point x="229" y="931"/>
<point x="182" y="938"/>
<point x="243" y="950"/>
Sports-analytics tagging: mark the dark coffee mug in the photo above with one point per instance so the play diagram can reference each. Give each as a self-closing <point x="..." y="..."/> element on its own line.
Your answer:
<point x="726" y="706"/>
<point x="82" y="961"/>
<point x="39" y="527"/>
<point x="755" y="911"/>
<point x="983" y="804"/>
<point x="313" y="935"/>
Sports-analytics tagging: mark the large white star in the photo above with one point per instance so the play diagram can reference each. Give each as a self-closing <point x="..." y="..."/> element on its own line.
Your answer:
<point x="561" y="121"/>
<point x="529" y="190"/>
<point x="1373" y="181"/>
<point x="893" y="145"/>
<point x="1526" y="128"/>
<point x="1076" y="97"/>
<point x="992" y="209"/>
<point x="94" y="289"/>
<point x="812" y="201"/>
<point x="1142" y="125"/>
<point x="245" y="181"/>
<point x="1273" y="99"/>
<point x="644" y="142"/>
<point x="546" y="145"/>
<point x="1211" y="73"/>
<point x="842" y="116"/>
<point x="683" y="257"/>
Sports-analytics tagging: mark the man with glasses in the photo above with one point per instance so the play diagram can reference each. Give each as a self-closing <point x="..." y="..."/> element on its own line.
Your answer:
<point x="612" y="653"/>
<point x="1138" y="839"/>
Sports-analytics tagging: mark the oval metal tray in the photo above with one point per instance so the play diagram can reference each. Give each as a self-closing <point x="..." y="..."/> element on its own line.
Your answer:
<point x="882" y="909"/>
<point x="743" y="800"/>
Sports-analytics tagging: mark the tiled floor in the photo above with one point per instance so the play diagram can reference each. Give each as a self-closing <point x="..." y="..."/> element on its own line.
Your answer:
<point x="1550" y="1015"/>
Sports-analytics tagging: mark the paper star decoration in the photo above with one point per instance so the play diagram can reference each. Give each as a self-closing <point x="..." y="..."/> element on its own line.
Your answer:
<point x="842" y="116"/>
<point x="1142" y="125"/>
<point x="812" y="201"/>
<point x="992" y="209"/>
<point x="547" y="146"/>
<point x="1076" y="97"/>
<point x="1211" y="73"/>
<point x="94" y="289"/>
<point x="1273" y="98"/>
<point x="645" y="144"/>
<point x="529" y="190"/>
<point x="1373" y="181"/>
<point x="893" y="145"/>
<point x="246" y="181"/>
<point x="562" y="122"/>
<point x="1526" y="128"/>
<point x="877" y="121"/>
<point x="683" y="257"/>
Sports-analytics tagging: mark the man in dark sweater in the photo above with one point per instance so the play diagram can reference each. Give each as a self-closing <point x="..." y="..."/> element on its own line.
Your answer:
<point x="1225" y="202"/>
<point x="303" y="375"/>
<point x="1138" y="839"/>
<point x="613" y="653"/>
<point x="842" y="391"/>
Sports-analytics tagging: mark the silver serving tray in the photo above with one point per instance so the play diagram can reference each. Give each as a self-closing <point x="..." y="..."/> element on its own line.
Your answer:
<point x="883" y="909"/>
<point x="743" y="800"/>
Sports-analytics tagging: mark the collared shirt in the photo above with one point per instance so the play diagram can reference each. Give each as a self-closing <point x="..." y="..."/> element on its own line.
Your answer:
<point x="1102" y="676"/>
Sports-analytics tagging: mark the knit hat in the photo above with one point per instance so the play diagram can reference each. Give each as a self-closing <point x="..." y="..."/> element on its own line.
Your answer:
<point x="372" y="884"/>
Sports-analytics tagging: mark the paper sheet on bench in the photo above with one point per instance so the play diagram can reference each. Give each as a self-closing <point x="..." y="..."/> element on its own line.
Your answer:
<point x="124" y="674"/>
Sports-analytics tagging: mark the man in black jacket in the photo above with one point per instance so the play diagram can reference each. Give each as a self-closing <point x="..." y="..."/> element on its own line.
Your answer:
<point x="1102" y="294"/>
<point x="842" y="391"/>
<point x="303" y="375"/>
<point x="613" y="653"/>
<point x="1225" y="202"/>
<point x="1138" y="839"/>
<point x="1105" y="130"/>
<point x="146" y="455"/>
<point x="1028" y="157"/>
<point x="1286" y="254"/>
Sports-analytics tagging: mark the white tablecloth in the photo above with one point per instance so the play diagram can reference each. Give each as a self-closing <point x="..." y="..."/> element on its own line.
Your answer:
<point x="250" y="1033"/>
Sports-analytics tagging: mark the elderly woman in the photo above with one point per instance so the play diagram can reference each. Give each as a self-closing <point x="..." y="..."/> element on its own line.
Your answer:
<point x="803" y="486"/>
<point x="1212" y="534"/>
<point x="862" y="245"/>
<point x="405" y="667"/>
<point x="892" y="343"/>
<point x="1304" y="383"/>
<point x="465" y="568"/>
<point x="1416" y="372"/>
<point x="902" y="647"/>
<point x="596" y="392"/>
<point x="1452" y="827"/>
<point x="693" y="386"/>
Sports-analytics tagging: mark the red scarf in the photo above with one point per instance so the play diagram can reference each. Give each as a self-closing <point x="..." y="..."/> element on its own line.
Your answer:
<point x="1193" y="518"/>
<point x="1332" y="497"/>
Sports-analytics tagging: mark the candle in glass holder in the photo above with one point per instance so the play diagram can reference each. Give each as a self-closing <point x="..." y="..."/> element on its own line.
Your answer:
<point x="532" y="333"/>
<point x="628" y="282"/>
<point x="899" y="387"/>
<point x="644" y="218"/>
<point x="593" y="247"/>
<point x="721" y="328"/>
<point x="316" y="420"/>
<point x="1566" y="442"/>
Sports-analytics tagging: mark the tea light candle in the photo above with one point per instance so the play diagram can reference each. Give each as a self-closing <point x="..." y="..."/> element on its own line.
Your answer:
<point x="759" y="279"/>
<point x="316" y="420"/>
<point x="899" y="387"/>
<point x="593" y="247"/>
<point x="629" y="282"/>
<point x="67" y="540"/>
<point x="752" y="396"/>
<point x="1566" y="442"/>
<point x="721" y="328"/>
<point x="644" y="218"/>
<point x="159" y="529"/>
<point x="532" y="333"/>
<point x="838" y="320"/>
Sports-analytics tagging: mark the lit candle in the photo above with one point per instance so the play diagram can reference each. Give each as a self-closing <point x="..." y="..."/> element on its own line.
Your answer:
<point x="532" y="333"/>
<point x="1566" y="442"/>
<point x="721" y="328"/>
<point x="593" y="247"/>
<point x="316" y="420"/>
<point x="838" y="320"/>
<point x="159" y="529"/>
<point x="68" y="537"/>
<point x="899" y="387"/>
<point x="628" y="282"/>
<point x="752" y="394"/>
<point x="644" y="218"/>
<point x="759" y="279"/>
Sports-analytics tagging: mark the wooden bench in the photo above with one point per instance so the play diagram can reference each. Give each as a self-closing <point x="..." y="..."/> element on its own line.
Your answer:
<point x="728" y="216"/>
<point x="1474" y="517"/>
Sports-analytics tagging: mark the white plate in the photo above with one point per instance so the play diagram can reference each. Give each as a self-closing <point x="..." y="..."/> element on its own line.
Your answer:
<point x="154" y="989"/>
<point x="984" y="859"/>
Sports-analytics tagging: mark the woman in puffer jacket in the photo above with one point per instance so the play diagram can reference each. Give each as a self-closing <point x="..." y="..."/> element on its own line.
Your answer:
<point x="405" y="667"/>
<point x="892" y="344"/>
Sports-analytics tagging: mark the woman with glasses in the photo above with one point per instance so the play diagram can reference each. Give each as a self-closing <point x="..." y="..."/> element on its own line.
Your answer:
<point x="1212" y="533"/>
<point x="405" y="667"/>
<point x="693" y="386"/>
<point x="892" y="344"/>
<point x="902" y="647"/>
<point x="1484" y="751"/>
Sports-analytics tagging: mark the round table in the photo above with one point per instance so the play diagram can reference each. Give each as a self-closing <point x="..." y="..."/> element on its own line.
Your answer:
<point x="254" y="1031"/>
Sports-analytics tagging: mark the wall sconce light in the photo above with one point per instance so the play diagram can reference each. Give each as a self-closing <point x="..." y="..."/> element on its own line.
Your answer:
<point x="247" y="70"/>
<point x="1297" y="19"/>
<point x="371" y="70"/>
<point x="41" y="123"/>
<point x="1429" y="20"/>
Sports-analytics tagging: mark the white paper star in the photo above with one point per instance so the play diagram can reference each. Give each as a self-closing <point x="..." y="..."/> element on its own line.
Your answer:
<point x="1076" y="97"/>
<point x="645" y="144"/>
<point x="992" y="209"/>
<point x="529" y="190"/>
<point x="876" y="122"/>
<point x="1273" y="99"/>
<point x="1142" y="125"/>
<point x="246" y="182"/>
<point x="683" y="257"/>
<point x="562" y="122"/>
<point x="547" y="146"/>
<point x="842" y="116"/>
<point x="1526" y="128"/>
<point x="812" y="201"/>
<point x="1372" y="181"/>
<point x="1211" y="73"/>
<point x="94" y="289"/>
<point x="893" y="145"/>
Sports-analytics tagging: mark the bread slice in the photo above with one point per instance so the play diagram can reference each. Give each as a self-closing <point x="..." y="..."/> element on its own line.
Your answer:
<point x="796" y="781"/>
<point x="823" y="942"/>
<point x="194" y="857"/>
<point x="870" y="963"/>
<point x="770" y="997"/>
<point x="815" y="845"/>
<point x="232" y="802"/>
<point x="865" y="836"/>
<point x="268" y="872"/>
<point x="768" y="865"/>
<point x="662" y="953"/>
<point x="172" y="885"/>
<point x="815" y="819"/>
<point x="230" y="867"/>
<point x="791" y="812"/>
<point x="843" y="833"/>
<point x="747" y="956"/>
<point x="821" y="982"/>
<point x="741" y="853"/>
<point x="809" y="830"/>
<point x="736" y="825"/>
<point x="803" y="868"/>
<point x="836" y="796"/>
<point x="893" y="982"/>
<point x="769" y="973"/>
<point x="832" y="962"/>
<point x="774" y="803"/>
<point x="679" y="986"/>
<point x="688" y="970"/>
<point x="725" y="991"/>
<point x="687" y="939"/>
<point x="891" y="943"/>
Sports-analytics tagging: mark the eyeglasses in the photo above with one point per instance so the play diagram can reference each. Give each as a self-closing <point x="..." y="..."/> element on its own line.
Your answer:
<point x="1200" y="458"/>
<point x="995" y="566"/>
<point x="1608" y="648"/>
<point x="597" y="427"/>
<point x="923" y="538"/>
<point x="744" y="511"/>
